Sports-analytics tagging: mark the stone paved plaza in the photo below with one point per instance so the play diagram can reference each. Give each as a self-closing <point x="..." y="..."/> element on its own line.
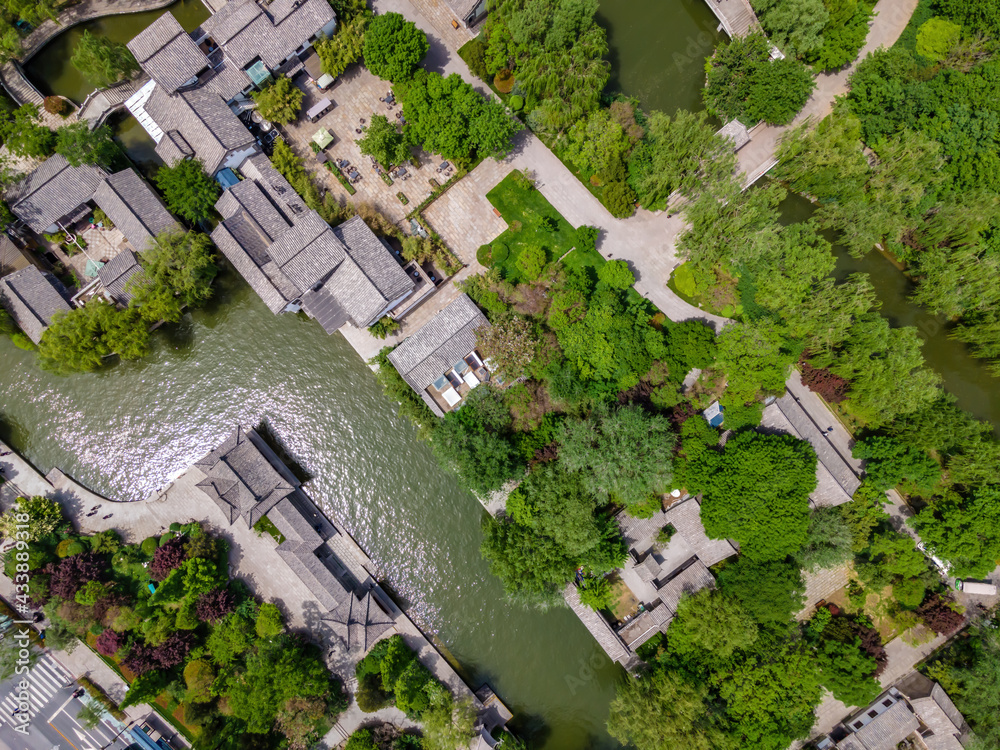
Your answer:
<point x="356" y="96"/>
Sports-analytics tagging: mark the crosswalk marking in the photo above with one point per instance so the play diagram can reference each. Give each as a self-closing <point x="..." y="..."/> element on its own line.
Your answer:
<point x="45" y="678"/>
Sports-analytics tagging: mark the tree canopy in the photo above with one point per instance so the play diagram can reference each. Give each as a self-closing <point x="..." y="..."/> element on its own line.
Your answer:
<point x="103" y="61"/>
<point x="393" y="47"/>
<point x="383" y="142"/>
<point x="279" y="101"/>
<point x="756" y="491"/>
<point x="188" y="190"/>
<point x="624" y="455"/>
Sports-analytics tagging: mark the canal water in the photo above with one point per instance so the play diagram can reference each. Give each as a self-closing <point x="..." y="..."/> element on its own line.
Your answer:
<point x="963" y="375"/>
<point x="658" y="50"/>
<point x="126" y="430"/>
<point x="51" y="70"/>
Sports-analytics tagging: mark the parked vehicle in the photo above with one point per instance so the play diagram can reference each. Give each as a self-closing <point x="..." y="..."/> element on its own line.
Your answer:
<point x="980" y="588"/>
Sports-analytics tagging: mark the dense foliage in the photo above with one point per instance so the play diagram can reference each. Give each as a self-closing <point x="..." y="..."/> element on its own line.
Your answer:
<point x="103" y="61"/>
<point x="393" y="47"/>
<point x="756" y="491"/>
<point x="446" y="116"/>
<point x="744" y="83"/>
<point x="194" y="644"/>
<point x="279" y="101"/>
<point x="383" y="142"/>
<point x="188" y="190"/>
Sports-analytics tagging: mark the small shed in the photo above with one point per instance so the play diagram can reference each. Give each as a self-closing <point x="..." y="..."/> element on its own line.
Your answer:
<point x="714" y="414"/>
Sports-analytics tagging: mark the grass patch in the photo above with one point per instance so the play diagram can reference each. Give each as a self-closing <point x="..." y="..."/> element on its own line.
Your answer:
<point x="578" y="258"/>
<point x="341" y="179"/>
<point x="531" y="222"/>
<point x="403" y="199"/>
<point x="266" y="526"/>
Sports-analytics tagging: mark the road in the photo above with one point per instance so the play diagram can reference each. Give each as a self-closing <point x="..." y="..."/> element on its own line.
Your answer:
<point x="52" y="713"/>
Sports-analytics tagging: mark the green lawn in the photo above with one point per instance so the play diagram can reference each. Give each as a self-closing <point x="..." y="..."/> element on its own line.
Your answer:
<point x="525" y="210"/>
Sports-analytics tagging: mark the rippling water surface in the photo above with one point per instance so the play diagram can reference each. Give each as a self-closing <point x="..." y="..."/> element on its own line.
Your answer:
<point x="124" y="431"/>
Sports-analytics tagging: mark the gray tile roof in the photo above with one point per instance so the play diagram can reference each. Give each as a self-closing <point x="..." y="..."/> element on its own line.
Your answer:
<point x="32" y="298"/>
<point x="52" y="191"/>
<point x="167" y="53"/>
<point x="245" y="31"/>
<point x="693" y="578"/>
<point x="173" y="148"/>
<point x="307" y="252"/>
<point x="447" y="337"/>
<point x="597" y="625"/>
<point x="686" y="518"/>
<point x="12" y="258"/>
<point x="850" y="742"/>
<point x="233" y="249"/>
<point x="241" y="478"/>
<point x="935" y="716"/>
<point x="888" y="729"/>
<point x="376" y="280"/>
<point x="318" y="578"/>
<point x="134" y="208"/>
<point x="204" y="120"/>
<point x="321" y="305"/>
<point x="359" y="622"/>
<point x="247" y="197"/>
<point x="116" y="274"/>
<point x="259" y="168"/>
<point x="944" y="701"/>
<point x="226" y="79"/>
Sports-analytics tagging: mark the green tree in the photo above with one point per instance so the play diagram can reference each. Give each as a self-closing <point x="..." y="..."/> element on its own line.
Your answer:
<point x="449" y="117"/>
<point x="102" y="61"/>
<point x="979" y="681"/>
<point x="531" y="262"/>
<point x="756" y="491"/>
<point x="447" y="724"/>
<point x="596" y="594"/>
<point x="597" y="146"/>
<point x="847" y="671"/>
<point x="81" y="145"/>
<point x="344" y="47"/>
<point x="382" y="141"/>
<point x="178" y="270"/>
<point x="23" y="133"/>
<point x="279" y="101"/>
<point x="526" y="563"/>
<point x="274" y="673"/>
<point x="394" y="47"/>
<point x="771" y="699"/>
<point x="623" y="455"/>
<point x="886" y="369"/>
<point x="829" y="542"/>
<point x="937" y="37"/>
<point x="965" y="531"/>
<point x="795" y="26"/>
<point x="770" y="592"/>
<point x="890" y="462"/>
<point x="709" y="628"/>
<point x="616" y="274"/>
<point x="754" y="359"/>
<point x="40" y="516"/>
<point x="661" y="710"/>
<point x="81" y="339"/>
<point x="270" y="623"/>
<point x="680" y="154"/>
<point x="188" y="190"/>
<point x="198" y="676"/>
<point x="233" y="636"/>
<point x="476" y="443"/>
<point x="744" y="83"/>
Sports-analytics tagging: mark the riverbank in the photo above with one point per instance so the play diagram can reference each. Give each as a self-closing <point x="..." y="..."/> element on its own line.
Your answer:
<point x="255" y="561"/>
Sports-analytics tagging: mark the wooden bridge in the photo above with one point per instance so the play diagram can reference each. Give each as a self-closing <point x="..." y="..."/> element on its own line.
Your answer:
<point x="736" y="17"/>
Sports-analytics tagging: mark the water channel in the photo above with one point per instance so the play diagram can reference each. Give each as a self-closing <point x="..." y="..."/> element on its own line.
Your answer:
<point x="963" y="375"/>
<point x="125" y="430"/>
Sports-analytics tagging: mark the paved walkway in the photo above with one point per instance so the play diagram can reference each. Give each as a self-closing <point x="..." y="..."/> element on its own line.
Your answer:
<point x="891" y="18"/>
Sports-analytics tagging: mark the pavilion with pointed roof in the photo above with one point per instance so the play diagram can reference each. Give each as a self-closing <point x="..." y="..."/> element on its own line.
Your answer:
<point x="241" y="478"/>
<point x="359" y="622"/>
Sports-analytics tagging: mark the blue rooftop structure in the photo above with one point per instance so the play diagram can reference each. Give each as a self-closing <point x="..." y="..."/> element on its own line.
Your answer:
<point x="227" y="178"/>
<point x="144" y="741"/>
<point x="713" y="414"/>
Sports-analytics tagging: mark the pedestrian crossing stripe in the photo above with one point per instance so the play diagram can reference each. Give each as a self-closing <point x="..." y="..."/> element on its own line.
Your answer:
<point x="45" y="678"/>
